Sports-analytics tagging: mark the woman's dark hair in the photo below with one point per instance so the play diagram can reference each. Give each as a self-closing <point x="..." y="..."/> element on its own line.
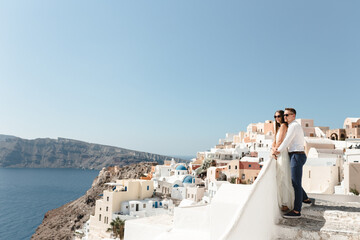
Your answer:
<point x="277" y="125"/>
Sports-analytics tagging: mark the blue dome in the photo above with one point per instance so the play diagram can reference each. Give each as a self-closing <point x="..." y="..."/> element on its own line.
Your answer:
<point x="176" y="185"/>
<point x="188" y="179"/>
<point x="181" y="167"/>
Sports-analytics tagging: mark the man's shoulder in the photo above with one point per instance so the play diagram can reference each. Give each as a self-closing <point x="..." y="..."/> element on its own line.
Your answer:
<point x="295" y="123"/>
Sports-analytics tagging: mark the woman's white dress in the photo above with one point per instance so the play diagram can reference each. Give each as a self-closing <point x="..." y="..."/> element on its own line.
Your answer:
<point x="285" y="189"/>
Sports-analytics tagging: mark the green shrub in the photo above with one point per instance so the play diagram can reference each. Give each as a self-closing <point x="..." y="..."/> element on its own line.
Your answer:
<point x="354" y="191"/>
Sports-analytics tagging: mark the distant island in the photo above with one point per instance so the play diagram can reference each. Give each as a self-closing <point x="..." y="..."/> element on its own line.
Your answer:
<point x="16" y="152"/>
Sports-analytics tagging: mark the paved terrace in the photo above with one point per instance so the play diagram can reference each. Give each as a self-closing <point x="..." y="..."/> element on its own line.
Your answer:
<point x="332" y="217"/>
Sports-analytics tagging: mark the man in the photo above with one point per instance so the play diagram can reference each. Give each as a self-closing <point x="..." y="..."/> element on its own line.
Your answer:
<point x="294" y="141"/>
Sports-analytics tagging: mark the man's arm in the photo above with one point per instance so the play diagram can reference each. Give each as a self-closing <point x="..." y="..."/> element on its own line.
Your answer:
<point x="288" y="138"/>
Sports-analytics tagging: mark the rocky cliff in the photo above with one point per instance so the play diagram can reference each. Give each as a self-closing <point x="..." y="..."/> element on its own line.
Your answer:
<point x="67" y="153"/>
<point x="62" y="222"/>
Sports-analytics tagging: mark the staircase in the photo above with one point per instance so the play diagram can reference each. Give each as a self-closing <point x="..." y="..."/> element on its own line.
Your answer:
<point x="324" y="220"/>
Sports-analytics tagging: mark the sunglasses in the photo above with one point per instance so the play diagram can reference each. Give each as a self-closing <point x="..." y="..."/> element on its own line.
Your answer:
<point x="286" y="115"/>
<point x="277" y="116"/>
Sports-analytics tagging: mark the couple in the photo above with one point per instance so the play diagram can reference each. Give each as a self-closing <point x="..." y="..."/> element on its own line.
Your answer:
<point x="288" y="150"/>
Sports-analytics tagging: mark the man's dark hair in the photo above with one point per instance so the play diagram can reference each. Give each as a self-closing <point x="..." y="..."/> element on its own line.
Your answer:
<point x="291" y="110"/>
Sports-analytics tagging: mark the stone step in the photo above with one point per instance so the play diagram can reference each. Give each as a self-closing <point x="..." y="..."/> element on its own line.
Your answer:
<point x="324" y="220"/>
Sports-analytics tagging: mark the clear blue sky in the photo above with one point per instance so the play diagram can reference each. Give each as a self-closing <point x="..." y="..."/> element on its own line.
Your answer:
<point x="172" y="77"/>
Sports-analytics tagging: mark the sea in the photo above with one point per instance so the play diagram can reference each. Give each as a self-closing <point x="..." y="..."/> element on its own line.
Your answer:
<point x="26" y="194"/>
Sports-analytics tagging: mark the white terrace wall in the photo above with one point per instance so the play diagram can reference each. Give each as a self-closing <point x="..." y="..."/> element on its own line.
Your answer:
<point x="255" y="216"/>
<point x="236" y="212"/>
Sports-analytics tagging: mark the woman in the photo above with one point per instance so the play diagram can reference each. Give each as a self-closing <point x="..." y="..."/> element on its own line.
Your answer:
<point x="283" y="174"/>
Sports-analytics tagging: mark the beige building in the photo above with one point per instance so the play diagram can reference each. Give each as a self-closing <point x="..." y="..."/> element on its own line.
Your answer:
<point x="321" y="175"/>
<point x="352" y="133"/>
<point x="244" y="172"/>
<point x="307" y="126"/>
<point x="352" y="123"/>
<point x="261" y="128"/>
<point x="213" y="173"/>
<point x="239" y="138"/>
<point x="351" y="176"/>
<point x="195" y="193"/>
<point x="310" y="130"/>
<point x="336" y="134"/>
<point x="121" y="191"/>
<point x="232" y="169"/>
<point x="318" y="143"/>
<point x="351" y="130"/>
<point x="325" y="153"/>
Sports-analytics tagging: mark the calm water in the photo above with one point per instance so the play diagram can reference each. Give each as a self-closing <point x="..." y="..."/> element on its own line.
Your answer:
<point x="27" y="194"/>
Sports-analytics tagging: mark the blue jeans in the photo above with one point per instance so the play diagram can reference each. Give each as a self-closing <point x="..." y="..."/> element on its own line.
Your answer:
<point x="297" y="162"/>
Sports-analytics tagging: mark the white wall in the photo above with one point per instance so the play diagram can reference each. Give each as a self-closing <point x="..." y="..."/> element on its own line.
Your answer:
<point x="178" y="193"/>
<point x="320" y="179"/>
<point x="243" y="221"/>
<point x="234" y="214"/>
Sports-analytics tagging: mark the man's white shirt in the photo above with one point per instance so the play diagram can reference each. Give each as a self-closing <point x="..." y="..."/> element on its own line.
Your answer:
<point x="294" y="139"/>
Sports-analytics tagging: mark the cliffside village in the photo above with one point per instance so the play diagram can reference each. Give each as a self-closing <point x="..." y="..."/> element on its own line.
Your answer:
<point x="332" y="167"/>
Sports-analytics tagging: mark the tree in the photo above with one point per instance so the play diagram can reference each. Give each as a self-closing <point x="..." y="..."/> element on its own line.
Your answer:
<point x="117" y="227"/>
<point x="201" y="171"/>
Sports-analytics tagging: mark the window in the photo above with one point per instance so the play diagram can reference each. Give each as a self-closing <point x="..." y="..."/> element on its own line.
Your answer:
<point x="229" y="167"/>
<point x="107" y="208"/>
<point x="132" y="205"/>
<point x="309" y="174"/>
<point x="249" y="165"/>
<point x="148" y="188"/>
<point x="107" y="198"/>
<point x="243" y="176"/>
<point x="144" y="205"/>
<point x="235" y="167"/>
<point x="99" y="217"/>
<point x="306" y="125"/>
<point x="127" y="207"/>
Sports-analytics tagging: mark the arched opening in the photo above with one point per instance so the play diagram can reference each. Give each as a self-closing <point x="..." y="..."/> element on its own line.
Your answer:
<point x="334" y="136"/>
<point x="342" y="137"/>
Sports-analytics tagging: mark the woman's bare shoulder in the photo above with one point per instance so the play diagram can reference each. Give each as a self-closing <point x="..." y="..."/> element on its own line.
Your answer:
<point x="284" y="125"/>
